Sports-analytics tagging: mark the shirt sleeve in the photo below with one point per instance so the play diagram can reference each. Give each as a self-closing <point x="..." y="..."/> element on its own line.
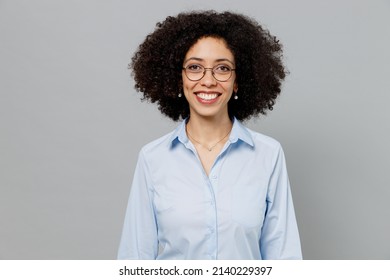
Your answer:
<point x="139" y="235"/>
<point x="280" y="237"/>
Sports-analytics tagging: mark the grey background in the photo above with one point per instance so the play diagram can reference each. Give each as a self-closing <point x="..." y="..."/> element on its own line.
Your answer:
<point x="71" y="124"/>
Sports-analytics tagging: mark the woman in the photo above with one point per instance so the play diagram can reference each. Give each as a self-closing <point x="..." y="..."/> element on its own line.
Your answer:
<point x="211" y="189"/>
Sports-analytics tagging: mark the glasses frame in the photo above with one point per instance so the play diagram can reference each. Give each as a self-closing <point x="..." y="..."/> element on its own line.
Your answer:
<point x="204" y="73"/>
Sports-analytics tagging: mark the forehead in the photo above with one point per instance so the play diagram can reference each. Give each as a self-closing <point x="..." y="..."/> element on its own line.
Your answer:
<point x="210" y="49"/>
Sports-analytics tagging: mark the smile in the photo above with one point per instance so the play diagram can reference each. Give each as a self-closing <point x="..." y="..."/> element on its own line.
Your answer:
<point x="207" y="96"/>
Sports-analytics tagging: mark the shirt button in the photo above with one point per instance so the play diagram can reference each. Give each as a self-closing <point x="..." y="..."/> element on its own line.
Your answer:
<point x="214" y="177"/>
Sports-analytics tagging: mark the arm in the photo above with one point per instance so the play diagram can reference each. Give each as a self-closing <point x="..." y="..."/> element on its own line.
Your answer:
<point x="139" y="236"/>
<point x="280" y="237"/>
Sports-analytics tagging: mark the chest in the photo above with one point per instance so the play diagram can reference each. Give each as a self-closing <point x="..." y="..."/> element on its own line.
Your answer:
<point x="231" y="192"/>
<point x="207" y="158"/>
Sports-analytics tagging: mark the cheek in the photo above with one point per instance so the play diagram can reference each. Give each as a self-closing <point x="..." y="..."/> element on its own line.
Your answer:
<point x="184" y="81"/>
<point x="231" y="88"/>
<point x="188" y="85"/>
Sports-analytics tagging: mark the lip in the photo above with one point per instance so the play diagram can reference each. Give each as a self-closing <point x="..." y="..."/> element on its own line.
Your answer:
<point x="207" y="97"/>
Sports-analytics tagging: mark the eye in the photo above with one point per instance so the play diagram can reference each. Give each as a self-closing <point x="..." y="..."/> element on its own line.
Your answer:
<point x="194" y="68"/>
<point x="222" y="69"/>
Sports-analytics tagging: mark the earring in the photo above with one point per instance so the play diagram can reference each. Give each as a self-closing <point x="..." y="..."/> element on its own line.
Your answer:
<point x="235" y="96"/>
<point x="179" y="95"/>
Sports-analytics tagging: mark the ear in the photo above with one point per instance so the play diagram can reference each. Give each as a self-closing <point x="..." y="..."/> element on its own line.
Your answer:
<point x="235" y="87"/>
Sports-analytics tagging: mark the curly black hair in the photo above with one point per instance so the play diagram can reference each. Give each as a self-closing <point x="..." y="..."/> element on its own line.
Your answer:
<point x="157" y="64"/>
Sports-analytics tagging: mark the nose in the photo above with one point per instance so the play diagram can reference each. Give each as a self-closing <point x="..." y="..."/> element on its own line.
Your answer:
<point x="208" y="78"/>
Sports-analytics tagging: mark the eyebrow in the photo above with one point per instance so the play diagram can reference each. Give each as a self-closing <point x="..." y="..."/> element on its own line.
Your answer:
<point x="200" y="59"/>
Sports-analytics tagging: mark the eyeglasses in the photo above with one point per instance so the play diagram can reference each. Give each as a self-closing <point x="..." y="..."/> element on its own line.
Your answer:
<point x="196" y="72"/>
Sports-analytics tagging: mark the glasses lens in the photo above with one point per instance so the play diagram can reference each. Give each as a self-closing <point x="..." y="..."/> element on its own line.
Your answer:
<point x="194" y="72"/>
<point x="222" y="72"/>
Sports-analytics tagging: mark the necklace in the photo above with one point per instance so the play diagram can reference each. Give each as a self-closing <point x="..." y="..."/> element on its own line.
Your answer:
<point x="209" y="148"/>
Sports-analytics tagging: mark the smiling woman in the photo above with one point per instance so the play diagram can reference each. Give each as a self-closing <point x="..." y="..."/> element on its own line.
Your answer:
<point x="211" y="189"/>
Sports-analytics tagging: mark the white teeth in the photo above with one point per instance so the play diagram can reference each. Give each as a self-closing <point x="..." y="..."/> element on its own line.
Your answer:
<point x="209" y="96"/>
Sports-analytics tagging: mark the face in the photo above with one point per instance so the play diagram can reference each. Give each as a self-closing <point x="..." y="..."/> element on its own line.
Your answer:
<point x="208" y="97"/>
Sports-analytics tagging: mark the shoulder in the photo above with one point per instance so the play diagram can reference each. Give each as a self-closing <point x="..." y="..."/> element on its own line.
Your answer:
<point x="268" y="151"/>
<point x="264" y="140"/>
<point x="158" y="145"/>
<point x="163" y="145"/>
<point x="264" y="147"/>
<point x="255" y="139"/>
<point x="257" y="146"/>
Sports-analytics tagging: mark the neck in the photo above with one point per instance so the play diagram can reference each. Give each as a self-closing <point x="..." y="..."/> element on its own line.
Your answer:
<point x="209" y="130"/>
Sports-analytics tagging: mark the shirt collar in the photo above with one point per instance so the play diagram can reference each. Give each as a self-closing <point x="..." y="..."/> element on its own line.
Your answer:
<point x="179" y="134"/>
<point x="239" y="132"/>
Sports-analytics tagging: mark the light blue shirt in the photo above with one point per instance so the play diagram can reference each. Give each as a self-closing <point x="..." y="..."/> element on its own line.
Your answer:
<point x="242" y="210"/>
